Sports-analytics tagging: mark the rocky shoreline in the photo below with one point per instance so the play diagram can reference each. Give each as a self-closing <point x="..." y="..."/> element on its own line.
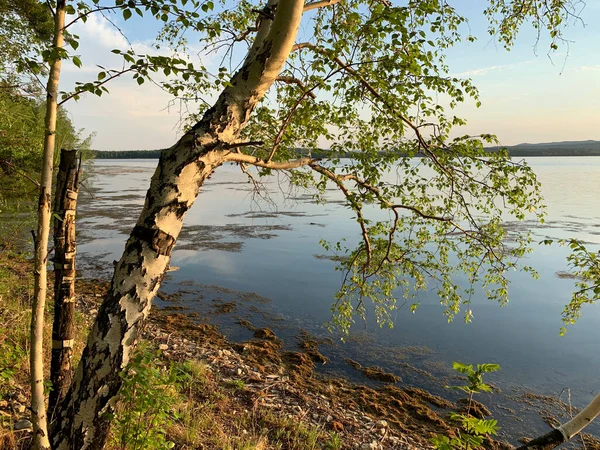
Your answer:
<point x="259" y="378"/>
<point x="285" y="383"/>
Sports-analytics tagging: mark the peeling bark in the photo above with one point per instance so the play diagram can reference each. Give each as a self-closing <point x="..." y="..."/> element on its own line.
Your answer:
<point x="36" y="357"/>
<point x="63" y="327"/>
<point x="81" y="421"/>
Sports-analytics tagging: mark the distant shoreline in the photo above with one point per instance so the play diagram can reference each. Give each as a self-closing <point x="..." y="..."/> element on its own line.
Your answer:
<point x="559" y="149"/>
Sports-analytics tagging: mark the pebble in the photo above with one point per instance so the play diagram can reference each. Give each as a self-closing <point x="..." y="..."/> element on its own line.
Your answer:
<point x="163" y="347"/>
<point x="18" y="408"/>
<point x="382" y="423"/>
<point x="337" y="426"/>
<point x="23" y="424"/>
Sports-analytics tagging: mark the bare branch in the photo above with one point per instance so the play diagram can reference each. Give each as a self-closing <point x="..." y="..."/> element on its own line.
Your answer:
<point x="297" y="82"/>
<point x="11" y="166"/>
<point x="319" y="4"/>
<point x="243" y="144"/>
<point x="91" y="11"/>
<point x="275" y="165"/>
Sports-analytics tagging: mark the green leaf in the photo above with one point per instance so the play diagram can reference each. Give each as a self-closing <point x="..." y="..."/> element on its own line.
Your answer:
<point x="76" y="61"/>
<point x="127" y="14"/>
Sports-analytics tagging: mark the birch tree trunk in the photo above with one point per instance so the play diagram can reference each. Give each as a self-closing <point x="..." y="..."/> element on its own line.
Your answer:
<point x="63" y="327"/>
<point x="81" y="421"/>
<point x="566" y="431"/>
<point x="36" y="357"/>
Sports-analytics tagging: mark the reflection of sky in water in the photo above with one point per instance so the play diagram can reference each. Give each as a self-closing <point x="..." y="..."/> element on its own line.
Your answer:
<point x="522" y="337"/>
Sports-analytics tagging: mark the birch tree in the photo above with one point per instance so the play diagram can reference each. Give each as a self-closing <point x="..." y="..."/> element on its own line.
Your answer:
<point x="38" y="407"/>
<point x="363" y="75"/>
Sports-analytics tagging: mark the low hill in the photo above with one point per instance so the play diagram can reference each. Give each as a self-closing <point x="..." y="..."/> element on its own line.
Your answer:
<point x="565" y="148"/>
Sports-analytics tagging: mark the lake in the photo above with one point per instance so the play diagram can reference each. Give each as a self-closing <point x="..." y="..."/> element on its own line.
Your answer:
<point x="261" y="255"/>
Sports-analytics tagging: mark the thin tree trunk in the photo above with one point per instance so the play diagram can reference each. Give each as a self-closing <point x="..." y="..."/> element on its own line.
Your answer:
<point x="63" y="327"/>
<point x="82" y="421"/>
<point x="36" y="361"/>
<point x="566" y="431"/>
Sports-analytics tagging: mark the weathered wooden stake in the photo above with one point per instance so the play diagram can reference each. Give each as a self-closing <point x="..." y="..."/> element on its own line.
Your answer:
<point x="63" y="328"/>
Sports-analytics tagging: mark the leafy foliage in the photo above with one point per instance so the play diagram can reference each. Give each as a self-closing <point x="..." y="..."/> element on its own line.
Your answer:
<point x="25" y="25"/>
<point x="474" y="377"/>
<point x="370" y="78"/>
<point x="506" y="17"/>
<point x="585" y="268"/>
<point x="147" y="400"/>
<point x="472" y="430"/>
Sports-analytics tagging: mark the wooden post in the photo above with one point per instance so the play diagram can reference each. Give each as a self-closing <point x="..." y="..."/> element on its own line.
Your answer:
<point x="63" y="328"/>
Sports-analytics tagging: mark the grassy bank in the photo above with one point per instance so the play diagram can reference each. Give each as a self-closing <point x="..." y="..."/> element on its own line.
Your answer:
<point x="189" y="388"/>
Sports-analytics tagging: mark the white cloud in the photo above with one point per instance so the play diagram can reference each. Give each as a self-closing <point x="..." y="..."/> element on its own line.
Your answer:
<point x="588" y="68"/>
<point x="479" y="72"/>
<point x="491" y="69"/>
<point x="103" y="33"/>
<point x="130" y="116"/>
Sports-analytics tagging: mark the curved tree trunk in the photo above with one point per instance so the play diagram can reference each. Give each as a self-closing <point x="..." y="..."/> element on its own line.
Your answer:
<point x="566" y="431"/>
<point x="36" y="356"/>
<point x="81" y="421"/>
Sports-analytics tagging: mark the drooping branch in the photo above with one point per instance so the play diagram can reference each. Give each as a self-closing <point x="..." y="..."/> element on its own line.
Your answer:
<point x="284" y="125"/>
<point x="339" y="181"/>
<point x="83" y="16"/>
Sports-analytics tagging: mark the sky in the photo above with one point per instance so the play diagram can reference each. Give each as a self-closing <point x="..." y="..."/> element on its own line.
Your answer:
<point x="526" y="95"/>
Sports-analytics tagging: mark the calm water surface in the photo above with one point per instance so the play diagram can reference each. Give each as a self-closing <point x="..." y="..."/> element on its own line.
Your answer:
<point x="235" y="243"/>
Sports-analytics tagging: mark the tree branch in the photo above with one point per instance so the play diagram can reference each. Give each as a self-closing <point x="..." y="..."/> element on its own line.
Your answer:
<point x="11" y="166"/>
<point x="319" y="4"/>
<point x="243" y="144"/>
<point x="103" y="82"/>
<point x="275" y="165"/>
<point x="338" y="180"/>
<point x="91" y="11"/>
<point x="297" y="82"/>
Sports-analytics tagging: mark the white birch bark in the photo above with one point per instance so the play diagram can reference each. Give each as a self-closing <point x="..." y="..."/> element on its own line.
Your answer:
<point x="36" y="357"/>
<point x="566" y="431"/>
<point x="81" y="422"/>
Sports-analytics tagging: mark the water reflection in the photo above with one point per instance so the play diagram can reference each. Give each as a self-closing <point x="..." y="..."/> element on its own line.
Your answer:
<point x="244" y="246"/>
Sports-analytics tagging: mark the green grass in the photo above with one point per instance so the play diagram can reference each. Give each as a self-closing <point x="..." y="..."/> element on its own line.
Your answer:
<point x="200" y="410"/>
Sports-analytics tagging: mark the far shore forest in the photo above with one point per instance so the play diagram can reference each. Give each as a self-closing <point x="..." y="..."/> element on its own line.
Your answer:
<point x="570" y="148"/>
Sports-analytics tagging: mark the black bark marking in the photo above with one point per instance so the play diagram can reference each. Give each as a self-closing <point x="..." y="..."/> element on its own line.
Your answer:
<point x="546" y="442"/>
<point x="155" y="282"/>
<point x="159" y="241"/>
